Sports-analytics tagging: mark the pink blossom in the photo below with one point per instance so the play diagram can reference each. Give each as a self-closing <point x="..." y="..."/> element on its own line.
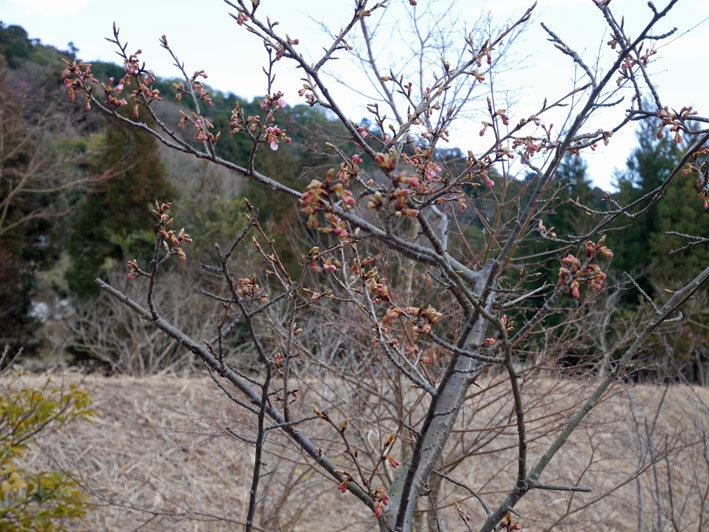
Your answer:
<point x="393" y="461"/>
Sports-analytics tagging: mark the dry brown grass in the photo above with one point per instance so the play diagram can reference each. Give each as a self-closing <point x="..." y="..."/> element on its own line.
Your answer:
<point x="158" y="458"/>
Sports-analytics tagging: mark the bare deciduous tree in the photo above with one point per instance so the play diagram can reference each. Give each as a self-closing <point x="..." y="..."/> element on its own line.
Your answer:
<point x="425" y="279"/>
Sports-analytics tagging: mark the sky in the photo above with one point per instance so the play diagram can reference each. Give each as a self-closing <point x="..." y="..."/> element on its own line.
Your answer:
<point x="204" y="36"/>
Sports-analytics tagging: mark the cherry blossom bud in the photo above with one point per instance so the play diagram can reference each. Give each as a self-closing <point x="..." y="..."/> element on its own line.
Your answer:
<point x="393" y="461"/>
<point x="606" y="252"/>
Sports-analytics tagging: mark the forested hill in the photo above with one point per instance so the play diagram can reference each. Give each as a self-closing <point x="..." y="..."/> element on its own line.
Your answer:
<point x="76" y="190"/>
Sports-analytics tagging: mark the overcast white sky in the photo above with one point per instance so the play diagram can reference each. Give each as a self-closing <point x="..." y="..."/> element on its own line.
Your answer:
<point x="205" y="37"/>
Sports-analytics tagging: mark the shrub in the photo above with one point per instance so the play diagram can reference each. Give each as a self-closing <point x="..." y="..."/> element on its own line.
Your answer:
<point x="29" y="499"/>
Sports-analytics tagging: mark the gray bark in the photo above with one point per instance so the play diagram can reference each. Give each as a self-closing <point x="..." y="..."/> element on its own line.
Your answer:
<point x="440" y="418"/>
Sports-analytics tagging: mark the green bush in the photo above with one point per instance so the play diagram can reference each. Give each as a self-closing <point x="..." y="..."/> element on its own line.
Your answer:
<point x="36" y="500"/>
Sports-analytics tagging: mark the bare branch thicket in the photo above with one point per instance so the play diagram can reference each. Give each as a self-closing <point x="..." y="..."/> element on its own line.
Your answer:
<point x="29" y="168"/>
<point x="104" y="333"/>
<point x="425" y="362"/>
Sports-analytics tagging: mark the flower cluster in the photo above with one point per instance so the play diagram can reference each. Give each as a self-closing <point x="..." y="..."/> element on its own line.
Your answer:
<point x="202" y="127"/>
<point x="399" y="199"/>
<point x="342" y="486"/>
<point x="77" y="76"/>
<point x="332" y="265"/>
<point x="630" y="62"/>
<point x="273" y="134"/>
<point x="111" y="93"/>
<point x="499" y="113"/>
<point x="592" y="249"/>
<point x="357" y="266"/>
<point x="386" y="161"/>
<point x="700" y="165"/>
<point x="198" y="88"/>
<point x="406" y="185"/>
<point x="321" y="197"/>
<point x="572" y="274"/>
<point x="314" y="200"/>
<point x="174" y="241"/>
<point x="241" y="18"/>
<point x="675" y="120"/>
<point x="171" y="241"/>
<point x="570" y="268"/>
<point x="309" y="94"/>
<point x="238" y="123"/>
<point x="508" y="524"/>
<point x="144" y="79"/>
<point x="349" y="170"/>
<point x="377" y="201"/>
<point x="134" y="270"/>
<point x="507" y="323"/>
<point x="381" y="501"/>
<point x="425" y="318"/>
<point x="246" y="287"/>
<point x="273" y="102"/>
<point x="544" y="231"/>
<point x="378" y="286"/>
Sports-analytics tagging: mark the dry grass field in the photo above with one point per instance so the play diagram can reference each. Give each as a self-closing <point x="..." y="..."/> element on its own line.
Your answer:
<point x="159" y="457"/>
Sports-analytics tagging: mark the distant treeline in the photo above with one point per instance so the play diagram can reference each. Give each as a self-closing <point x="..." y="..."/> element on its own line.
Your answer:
<point x="76" y="190"/>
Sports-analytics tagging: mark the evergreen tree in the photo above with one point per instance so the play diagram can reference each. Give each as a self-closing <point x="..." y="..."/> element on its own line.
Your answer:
<point x="647" y="168"/>
<point x="112" y="225"/>
<point x="574" y="184"/>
